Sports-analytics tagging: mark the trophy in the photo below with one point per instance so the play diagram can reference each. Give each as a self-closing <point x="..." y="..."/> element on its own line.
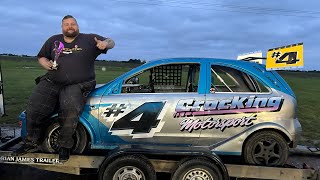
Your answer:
<point x="58" y="47"/>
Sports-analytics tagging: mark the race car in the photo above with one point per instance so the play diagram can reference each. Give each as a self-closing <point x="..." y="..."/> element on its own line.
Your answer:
<point x="232" y="107"/>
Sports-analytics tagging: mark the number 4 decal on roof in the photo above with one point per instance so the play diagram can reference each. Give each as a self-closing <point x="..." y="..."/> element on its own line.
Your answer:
<point x="142" y="122"/>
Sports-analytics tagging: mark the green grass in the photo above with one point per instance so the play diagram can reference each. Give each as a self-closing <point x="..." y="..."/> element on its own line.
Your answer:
<point x="18" y="78"/>
<point x="19" y="75"/>
<point x="307" y="90"/>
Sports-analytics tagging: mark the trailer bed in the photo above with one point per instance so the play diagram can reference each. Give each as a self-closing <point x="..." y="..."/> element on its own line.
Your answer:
<point x="77" y="163"/>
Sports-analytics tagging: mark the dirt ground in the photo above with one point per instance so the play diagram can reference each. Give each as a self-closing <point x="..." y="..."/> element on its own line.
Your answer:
<point x="22" y="172"/>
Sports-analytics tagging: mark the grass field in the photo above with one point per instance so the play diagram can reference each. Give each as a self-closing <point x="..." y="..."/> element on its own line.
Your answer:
<point x="306" y="86"/>
<point x="19" y="75"/>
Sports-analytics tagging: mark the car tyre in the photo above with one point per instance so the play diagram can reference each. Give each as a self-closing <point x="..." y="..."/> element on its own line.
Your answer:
<point x="267" y="148"/>
<point x="50" y="145"/>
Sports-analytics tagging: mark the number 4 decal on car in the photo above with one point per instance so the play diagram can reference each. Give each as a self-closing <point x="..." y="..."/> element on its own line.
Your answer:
<point x="142" y="122"/>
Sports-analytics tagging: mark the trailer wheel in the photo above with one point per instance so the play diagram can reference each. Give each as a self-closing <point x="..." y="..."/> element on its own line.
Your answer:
<point x="130" y="167"/>
<point x="266" y="148"/>
<point x="197" y="169"/>
<point x="51" y="137"/>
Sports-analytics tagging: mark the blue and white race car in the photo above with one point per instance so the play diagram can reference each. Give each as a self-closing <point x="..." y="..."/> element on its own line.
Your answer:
<point x="232" y="107"/>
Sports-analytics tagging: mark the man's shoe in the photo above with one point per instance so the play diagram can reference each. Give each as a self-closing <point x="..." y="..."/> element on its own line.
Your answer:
<point x="64" y="154"/>
<point x="27" y="147"/>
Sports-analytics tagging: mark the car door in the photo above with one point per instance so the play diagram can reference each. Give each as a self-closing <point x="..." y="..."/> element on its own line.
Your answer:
<point x="150" y="107"/>
<point x="234" y="100"/>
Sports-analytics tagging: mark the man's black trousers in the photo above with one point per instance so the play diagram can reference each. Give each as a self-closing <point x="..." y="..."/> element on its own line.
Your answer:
<point x="46" y="98"/>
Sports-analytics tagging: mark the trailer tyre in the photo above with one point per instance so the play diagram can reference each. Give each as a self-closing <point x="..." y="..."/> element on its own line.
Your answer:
<point x="50" y="142"/>
<point x="131" y="167"/>
<point x="267" y="148"/>
<point x="197" y="169"/>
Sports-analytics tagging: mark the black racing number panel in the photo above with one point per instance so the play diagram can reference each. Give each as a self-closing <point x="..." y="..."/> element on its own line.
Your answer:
<point x="149" y="113"/>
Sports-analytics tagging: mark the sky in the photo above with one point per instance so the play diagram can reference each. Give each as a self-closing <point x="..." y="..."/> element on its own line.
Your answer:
<point x="155" y="29"/>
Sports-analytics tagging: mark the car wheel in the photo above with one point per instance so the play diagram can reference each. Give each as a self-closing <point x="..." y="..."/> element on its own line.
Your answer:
<point x="197" y="169"/>
<point x="267" y="148"/>
<point x="50" y="144"/>
<point x="128" y="167"/>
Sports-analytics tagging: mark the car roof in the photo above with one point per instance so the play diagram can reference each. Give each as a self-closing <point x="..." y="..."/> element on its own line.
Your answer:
<point x="258" y="70"/>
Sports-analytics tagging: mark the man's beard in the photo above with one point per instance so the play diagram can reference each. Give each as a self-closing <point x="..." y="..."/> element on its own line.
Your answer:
<point x="71" y="35"/>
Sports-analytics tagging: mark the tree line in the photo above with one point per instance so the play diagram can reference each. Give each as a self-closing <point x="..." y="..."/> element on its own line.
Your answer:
<point x="131" y="61"/>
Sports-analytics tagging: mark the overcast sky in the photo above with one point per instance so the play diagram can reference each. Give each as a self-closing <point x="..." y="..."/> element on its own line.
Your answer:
<point x="153" y="29"/>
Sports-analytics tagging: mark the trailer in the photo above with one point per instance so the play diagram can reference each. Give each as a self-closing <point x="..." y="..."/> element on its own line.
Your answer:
<point x="143" y="162"/>
<point x="126" y="162"/>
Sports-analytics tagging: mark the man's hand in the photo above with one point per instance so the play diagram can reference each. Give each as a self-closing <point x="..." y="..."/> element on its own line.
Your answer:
<point x="101" y="44"/>
<point x="46" y="63"/>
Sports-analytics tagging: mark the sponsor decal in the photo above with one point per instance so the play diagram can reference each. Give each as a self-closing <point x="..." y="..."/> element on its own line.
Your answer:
<point x="189" y="124"/>
<point x="29" y="160"/>
<point x="237" y="104"/>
